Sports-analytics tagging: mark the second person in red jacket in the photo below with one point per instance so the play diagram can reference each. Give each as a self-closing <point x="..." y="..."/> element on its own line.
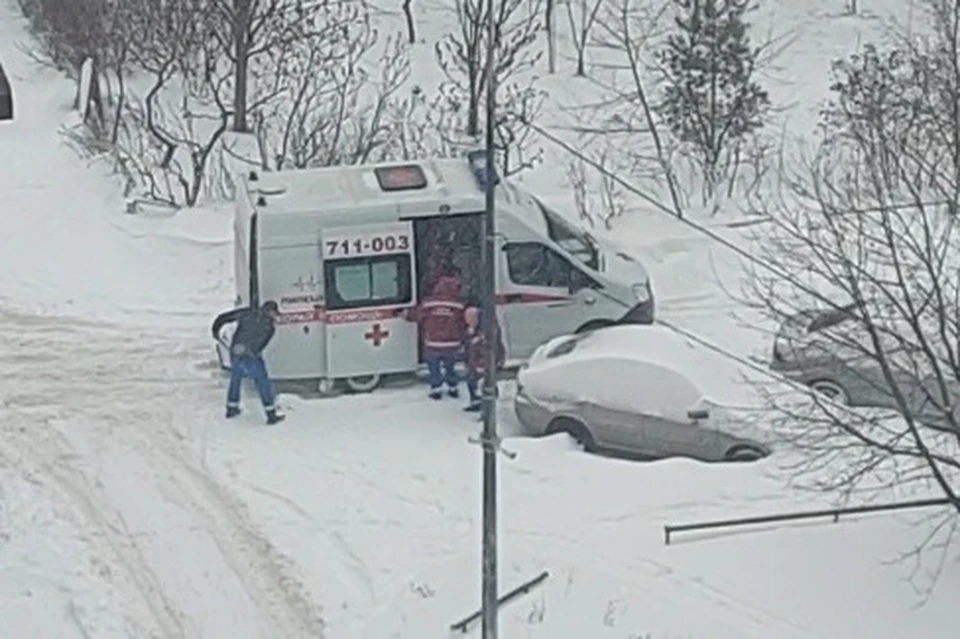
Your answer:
<point x="442" y="329"/>
<point x="476" y="352"/>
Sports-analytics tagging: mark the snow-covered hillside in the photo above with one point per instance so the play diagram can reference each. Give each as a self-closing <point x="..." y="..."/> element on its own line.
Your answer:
<point x="129" y="508"/>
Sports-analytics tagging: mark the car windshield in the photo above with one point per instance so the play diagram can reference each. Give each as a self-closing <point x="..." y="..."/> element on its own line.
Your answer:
<point x="568" y="237"/>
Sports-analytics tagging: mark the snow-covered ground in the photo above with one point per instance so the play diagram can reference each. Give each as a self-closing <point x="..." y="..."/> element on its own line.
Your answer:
<point x="129" y="508"/>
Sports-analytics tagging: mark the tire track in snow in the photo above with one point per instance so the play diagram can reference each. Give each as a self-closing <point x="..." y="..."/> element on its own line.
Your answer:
<point x="92" y="369"/>
<point x="46" y="457"/>
<point x="357" y="574"/>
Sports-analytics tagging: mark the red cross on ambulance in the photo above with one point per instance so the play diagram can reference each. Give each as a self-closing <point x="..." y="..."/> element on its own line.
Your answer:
<point x="377" y="335"/>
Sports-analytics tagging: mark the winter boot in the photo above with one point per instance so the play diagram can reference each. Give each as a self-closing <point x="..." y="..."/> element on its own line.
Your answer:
<point x="453" y="392"/>
<point x="475" y="406"/>
<point x="274" y="418"/>
<point x="232" y="411"/>
<point x="436" y="393"/>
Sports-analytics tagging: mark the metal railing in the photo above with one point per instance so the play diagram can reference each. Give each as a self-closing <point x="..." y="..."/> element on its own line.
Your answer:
<point x="670" y="529"/>
<point x="464" y="624"/>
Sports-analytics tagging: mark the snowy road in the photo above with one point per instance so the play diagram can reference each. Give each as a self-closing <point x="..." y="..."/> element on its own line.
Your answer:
<point x="98" y="417"/>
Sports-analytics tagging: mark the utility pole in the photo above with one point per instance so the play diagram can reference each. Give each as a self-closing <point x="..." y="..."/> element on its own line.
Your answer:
<point x="241" y="46"/>
<point x="489" y="439"/>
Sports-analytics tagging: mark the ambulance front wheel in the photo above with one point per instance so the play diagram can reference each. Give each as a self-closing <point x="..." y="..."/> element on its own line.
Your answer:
<point x="363" y="383"/>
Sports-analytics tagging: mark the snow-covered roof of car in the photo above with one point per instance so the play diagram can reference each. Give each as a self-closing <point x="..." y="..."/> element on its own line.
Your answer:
<point x="716" y="377"/>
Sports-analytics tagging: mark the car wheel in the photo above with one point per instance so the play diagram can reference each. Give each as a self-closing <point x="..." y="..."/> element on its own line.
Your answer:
<point x="831" y="390"/>
<point x="744" y="453"/>
<point x="576" y="429"/>
<point x="363" y="383"/>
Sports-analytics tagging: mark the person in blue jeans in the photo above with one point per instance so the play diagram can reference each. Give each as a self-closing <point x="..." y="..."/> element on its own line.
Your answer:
<point x="440" y="316"/>
<point x="255" y="329"/>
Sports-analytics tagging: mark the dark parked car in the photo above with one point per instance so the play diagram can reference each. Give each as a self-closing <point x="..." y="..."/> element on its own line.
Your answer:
<point x="831" y="352"/>
<point x="6" y="96"/>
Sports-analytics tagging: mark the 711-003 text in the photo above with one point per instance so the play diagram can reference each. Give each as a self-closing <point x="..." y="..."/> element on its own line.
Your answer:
<point x="375" y="244"/>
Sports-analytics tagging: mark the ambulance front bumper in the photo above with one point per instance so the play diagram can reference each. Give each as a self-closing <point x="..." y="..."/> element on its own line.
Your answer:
<point x="641" y="313"/>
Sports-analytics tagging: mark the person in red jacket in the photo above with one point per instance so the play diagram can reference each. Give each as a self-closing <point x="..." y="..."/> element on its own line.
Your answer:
<point x="440" y="316"/>
<point x="475" y="349"/>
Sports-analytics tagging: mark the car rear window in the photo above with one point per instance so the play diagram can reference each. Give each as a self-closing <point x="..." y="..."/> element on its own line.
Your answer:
<point x="831" y="318"/>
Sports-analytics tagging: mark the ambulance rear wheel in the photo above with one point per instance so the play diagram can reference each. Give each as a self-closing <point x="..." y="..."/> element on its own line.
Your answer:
<point x="363" y="383"/>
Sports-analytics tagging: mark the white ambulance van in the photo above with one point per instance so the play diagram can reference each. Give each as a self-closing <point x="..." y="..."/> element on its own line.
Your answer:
<point x="345" y="251"/>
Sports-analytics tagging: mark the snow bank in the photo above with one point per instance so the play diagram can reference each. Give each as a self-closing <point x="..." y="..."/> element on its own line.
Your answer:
<point x="203" y="226"/>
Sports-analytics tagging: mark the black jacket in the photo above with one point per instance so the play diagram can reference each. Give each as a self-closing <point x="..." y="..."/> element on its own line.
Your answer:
<point x="254" y="331"/>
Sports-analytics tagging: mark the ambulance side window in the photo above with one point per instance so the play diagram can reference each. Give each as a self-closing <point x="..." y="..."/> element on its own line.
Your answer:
<point x="367" y="281"/>
<point x="535" y="264"/>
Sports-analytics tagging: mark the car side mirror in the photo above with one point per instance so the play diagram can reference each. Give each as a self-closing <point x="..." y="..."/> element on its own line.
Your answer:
<point x="698" y="414"/>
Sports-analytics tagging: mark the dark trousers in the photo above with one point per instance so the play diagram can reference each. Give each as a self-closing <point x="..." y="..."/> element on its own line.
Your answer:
<point x="255" y="369"/>
<point x="474" y="381"/>
<point x="474" y="378"/>
<point x="441" y="369"/>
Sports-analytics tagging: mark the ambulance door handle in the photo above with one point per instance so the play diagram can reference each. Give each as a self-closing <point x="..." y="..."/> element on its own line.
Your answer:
<point x="589" y="300"/>
<point x="513" y="297"/>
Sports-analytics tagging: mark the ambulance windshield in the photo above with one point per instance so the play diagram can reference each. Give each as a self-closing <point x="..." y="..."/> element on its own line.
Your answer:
<point x="571" y="239"/>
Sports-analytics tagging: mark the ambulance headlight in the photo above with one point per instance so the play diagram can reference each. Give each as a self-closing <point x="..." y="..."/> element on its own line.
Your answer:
<point x="642" y="292"/>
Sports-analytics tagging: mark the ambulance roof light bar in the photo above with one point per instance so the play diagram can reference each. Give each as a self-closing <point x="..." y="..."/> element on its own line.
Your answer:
<point x="478" y="165"/>
<point x="404" y="177"/>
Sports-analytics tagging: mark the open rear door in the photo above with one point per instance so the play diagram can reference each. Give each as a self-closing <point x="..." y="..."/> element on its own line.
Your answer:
<point x="370" y="281"/>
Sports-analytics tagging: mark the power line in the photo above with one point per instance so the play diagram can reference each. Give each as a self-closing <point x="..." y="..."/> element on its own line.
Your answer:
<point x="719" y="239"/>
<point x="675" y="215"/>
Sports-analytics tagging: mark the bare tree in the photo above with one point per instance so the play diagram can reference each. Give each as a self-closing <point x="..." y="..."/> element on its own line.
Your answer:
<point x="249" y="29"/>
<point x="631" y="27"/>
<point x="462" y="55"/>
<point x="174" y="129"/>
<point x="68" y="31"/>
<point x="862" y="257"/>
<point x="329" y="109"/>
<point x="550" y="27"/>
<point x="580" y="27"/>
<point x="513" y="137"/>
<point x="597" y="196"/>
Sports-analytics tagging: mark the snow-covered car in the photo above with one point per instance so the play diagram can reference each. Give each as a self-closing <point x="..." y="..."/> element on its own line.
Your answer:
<point x="640" y="390"/>
<point x="829" y="351"/>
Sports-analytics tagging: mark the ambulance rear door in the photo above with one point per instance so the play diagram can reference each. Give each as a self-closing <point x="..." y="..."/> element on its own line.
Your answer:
<point x="291" y="277"/>
<point x="370" y="281"/>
